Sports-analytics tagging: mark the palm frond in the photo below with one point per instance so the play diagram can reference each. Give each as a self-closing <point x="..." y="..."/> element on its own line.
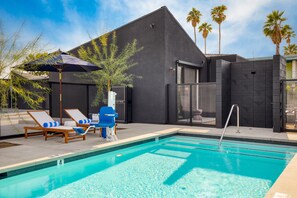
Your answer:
<point x="290" y="50"/>
<point x="218" y="14"/>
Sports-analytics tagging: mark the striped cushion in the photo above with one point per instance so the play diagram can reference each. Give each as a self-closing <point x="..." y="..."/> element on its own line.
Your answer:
<point x="51" y="124"/>
<point x="85" y="121"/>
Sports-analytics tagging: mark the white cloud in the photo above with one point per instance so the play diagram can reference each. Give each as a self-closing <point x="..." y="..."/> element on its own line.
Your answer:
<point x="239" y="15"/>
<point x="72" y="33"/>
<point x="241" y="32"/>
<point x="135" y="9"/>
<point x="241" y="19"/>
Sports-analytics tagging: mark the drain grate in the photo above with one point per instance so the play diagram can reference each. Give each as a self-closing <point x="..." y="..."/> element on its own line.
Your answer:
<point x="7" y="144"/>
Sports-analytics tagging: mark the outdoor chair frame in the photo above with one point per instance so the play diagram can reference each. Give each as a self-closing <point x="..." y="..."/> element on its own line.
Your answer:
<point x="76" y="120"/>
<point x="85" y="125"/>
<point x="63" y="131"/>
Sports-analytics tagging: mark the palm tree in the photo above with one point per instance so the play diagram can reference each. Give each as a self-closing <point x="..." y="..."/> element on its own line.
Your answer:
<point x="290" y="49"/>
<point x="194" y="17"/>
<point x="273" y="28"/>
<point x="288" y="33"/>
<point x="218" y="15"/>
<point x="205" y="28"/>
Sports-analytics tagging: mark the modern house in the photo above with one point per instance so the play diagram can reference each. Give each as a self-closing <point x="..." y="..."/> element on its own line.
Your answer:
<point x="181" y="85"/>
<point x="165" y="44"/>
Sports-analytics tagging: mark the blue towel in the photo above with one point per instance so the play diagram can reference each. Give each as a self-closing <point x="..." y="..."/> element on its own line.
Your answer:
<point x="79" y="130"/>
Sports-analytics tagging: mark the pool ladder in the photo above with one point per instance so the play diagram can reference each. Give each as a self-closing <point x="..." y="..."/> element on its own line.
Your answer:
<point x="230" y="113"/>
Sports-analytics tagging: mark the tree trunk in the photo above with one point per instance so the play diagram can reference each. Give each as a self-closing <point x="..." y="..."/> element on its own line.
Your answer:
<point x="277" y="49"/>
<point x="219" y="38"/>
<point x="287" y="42"/>
<point x="204" y="45"/>
<point x="195" y="34"/>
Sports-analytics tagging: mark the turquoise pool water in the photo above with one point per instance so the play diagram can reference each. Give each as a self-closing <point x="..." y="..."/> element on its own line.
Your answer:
<point x="177" y="166"/>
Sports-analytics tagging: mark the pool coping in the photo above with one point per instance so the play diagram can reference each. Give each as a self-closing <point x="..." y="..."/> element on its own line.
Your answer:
<point x="284" y="186"/>
<point x="286" y="183"/>
<point x="36" y="164"/>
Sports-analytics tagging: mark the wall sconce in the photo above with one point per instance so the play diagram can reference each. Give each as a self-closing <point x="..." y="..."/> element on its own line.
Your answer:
<point x="152" y="25"/>
<point x="171" y="68"/>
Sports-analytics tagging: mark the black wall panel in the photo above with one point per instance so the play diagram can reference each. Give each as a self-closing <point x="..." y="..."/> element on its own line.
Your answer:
<point x="251" y="89"/>
<point x="74" y="96"/>
<point x="223" y="92"/>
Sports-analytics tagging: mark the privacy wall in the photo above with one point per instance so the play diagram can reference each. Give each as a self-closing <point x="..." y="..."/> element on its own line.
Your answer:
<point x="255" y="87"/>
<point x="251" y="89"/>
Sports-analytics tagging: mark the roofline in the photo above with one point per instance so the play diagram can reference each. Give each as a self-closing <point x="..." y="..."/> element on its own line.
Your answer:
<point x="133" y="21"/>
<point x="218" y="55"/>
<point x="261" y="58"/>
<point x="287" y="57"/>
<point x="291" y="57"/>
<point x="164" y="7"/>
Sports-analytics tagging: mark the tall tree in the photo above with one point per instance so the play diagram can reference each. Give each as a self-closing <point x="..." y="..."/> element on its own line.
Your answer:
<point x="205" y="28"/>
<point x="218" y="15"/>
<point x="105" y="53"/>
<point x="288" y="33"/>
<point x="290" y="49"/>
<point x="194" y="17"/>
<point x="13" y="54"/>
<point x="273" y="28"/>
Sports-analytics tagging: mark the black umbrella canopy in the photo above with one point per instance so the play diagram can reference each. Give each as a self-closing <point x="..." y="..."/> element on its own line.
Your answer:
<point x="60" y="61"/>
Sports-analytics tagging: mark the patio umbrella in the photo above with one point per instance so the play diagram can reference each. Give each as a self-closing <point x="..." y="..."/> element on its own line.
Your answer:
<point x="60" y="62"/>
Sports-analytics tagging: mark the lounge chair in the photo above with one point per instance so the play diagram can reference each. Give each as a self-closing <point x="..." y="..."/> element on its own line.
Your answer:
<point x="79" y="118"/>
<point x="48" y="125"/>
<point x="37" y="131"/>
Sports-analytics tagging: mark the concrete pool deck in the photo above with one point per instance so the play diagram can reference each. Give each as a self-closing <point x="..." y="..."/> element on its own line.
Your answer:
<point x="35" y="150"/>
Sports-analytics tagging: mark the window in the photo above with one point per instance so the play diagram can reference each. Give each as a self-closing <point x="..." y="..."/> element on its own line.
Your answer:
<point x="187" y="75"/>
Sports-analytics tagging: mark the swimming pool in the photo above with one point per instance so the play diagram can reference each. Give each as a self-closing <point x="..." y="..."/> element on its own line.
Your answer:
<point x="177" y="166"/>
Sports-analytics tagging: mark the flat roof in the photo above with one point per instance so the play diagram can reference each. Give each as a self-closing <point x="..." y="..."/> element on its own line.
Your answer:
<point x="289" y="58"/>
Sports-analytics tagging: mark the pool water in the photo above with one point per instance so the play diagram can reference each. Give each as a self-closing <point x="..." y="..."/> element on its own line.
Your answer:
<point x="177" y="166"/>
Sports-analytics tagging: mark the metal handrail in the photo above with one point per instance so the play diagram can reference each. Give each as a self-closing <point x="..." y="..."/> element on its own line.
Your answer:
<point x="231" y="110"/>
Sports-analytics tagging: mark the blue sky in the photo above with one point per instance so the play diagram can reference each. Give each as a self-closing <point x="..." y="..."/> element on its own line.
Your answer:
<point x="66" y="24"/>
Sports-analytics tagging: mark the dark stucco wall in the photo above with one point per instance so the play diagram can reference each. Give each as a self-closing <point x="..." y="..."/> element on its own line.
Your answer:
<point x="148" y="95"/>
<point x="251" y="89"/>
<point x="278" y="73"/>
<point x="211" y="67"/>
<point x="249" y="85"/>
<point x="74" y="96"/>
<point x="223" y="91"/>
<point x="178" y="46"/>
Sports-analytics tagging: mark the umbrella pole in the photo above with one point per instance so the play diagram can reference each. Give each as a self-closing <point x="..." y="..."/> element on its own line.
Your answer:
<point x="60" y="79"/>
